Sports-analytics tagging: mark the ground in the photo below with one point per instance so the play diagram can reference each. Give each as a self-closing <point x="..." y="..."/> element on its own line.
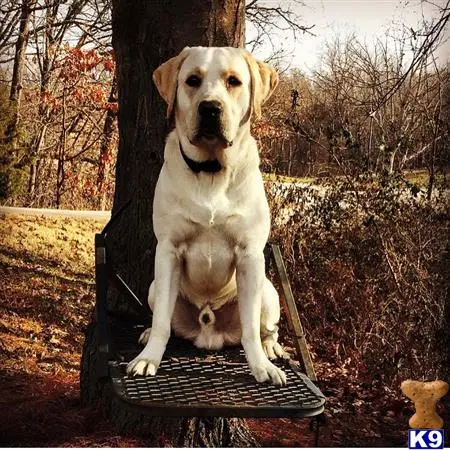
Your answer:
<point x="46" y="300"/>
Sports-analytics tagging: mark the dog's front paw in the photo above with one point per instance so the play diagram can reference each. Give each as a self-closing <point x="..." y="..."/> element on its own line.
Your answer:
<point x="266" y="371"/>
<point x="145" y="336"/>
<point x="142" y="366"/>
<point x="273" y="349"/>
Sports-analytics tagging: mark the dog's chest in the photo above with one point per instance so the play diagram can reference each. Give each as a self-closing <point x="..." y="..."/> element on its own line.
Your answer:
<point x="213" y="220"/>
<point x="209" y="257"/>
<point x="210" y="242"/>
<point x="211" y="213"/>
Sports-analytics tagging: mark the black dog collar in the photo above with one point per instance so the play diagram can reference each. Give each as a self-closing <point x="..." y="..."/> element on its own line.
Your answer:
<point x="204" y="166"/>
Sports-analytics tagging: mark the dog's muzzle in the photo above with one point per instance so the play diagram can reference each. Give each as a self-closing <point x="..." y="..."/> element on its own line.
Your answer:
<point x="210" y="115"/>
<point x="210" y="131"/>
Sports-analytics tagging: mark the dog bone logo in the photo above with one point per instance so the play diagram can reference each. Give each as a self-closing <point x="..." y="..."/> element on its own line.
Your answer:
<point x="425" y="395"/>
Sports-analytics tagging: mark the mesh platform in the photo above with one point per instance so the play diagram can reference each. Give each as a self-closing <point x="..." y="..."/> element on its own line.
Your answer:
<point x="192" y="382"/>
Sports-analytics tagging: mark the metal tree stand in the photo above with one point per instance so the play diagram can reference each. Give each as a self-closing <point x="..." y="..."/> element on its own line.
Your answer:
<point x="190" y="382"/>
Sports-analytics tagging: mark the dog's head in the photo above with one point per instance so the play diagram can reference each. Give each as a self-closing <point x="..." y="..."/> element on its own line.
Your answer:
<point x="213" y="92"/>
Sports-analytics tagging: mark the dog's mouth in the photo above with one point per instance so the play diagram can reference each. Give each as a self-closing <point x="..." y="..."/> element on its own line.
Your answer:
<point x="210" y="135"/>
<point x="211" y="139"/>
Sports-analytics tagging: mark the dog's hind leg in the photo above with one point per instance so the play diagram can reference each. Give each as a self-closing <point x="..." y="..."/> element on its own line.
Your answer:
<point x="270" y="316"/>
<point x="184" y="318"/>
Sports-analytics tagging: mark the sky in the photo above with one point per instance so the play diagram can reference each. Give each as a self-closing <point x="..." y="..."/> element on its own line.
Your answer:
<point x="368" y="19"/>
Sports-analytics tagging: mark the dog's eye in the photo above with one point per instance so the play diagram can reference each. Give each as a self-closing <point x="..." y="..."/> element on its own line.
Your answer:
<point x="233" y="81"/>
<point x="193" y="81"/>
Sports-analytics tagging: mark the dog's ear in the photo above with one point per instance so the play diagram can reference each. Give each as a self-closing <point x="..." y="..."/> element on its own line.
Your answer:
<point x="264" y="80"/>
<point x="165" y="78"/>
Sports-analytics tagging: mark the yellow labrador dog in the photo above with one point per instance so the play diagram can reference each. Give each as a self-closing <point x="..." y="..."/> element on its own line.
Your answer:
<point x="210" y="213"/>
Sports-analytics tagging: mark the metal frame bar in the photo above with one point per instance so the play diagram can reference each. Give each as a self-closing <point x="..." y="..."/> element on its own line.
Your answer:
<point x="101" y="313"/>
<point x="292" y="315"/>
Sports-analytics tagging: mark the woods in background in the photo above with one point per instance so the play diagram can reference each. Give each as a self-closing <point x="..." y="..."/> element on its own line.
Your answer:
<point x="58" y="103"/>
<point x="367" y="107"/>
<point x="370" y="107"/>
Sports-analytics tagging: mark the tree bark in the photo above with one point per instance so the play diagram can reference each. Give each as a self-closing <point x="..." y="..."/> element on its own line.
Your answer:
<point x="34" y="165"/>
<point x="106" y="147"/>
<point x="18" y="68"/>
<point x="145" y="34"/>
<point x="61" y="155"/>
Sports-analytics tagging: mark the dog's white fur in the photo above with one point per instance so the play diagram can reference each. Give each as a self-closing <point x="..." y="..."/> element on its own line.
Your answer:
<point x="212" y="227"/>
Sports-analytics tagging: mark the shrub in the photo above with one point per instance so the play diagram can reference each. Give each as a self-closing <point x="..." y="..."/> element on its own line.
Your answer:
<point x="367" y="261"/>
<point x="13" y="160"/>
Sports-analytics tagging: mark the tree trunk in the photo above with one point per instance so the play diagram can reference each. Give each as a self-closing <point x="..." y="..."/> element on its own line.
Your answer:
<point x="48" y="43"/>
<point x="33" y="178"/>
<point x="431" y="166"/>
<point x="145" y="34"/>
<point x="61" y="155"/>
<point x="106" y="147"/>
<point x="18" y="68"/>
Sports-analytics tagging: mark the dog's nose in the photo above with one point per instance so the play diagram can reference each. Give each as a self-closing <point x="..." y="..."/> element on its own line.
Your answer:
<point x="210" y="109"/>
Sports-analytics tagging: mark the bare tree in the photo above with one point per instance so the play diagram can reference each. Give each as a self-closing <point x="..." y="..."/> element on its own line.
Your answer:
<point x="83" y="22"/>
<point x="106" y="150"/>
<point x="9" y="18"/>
<point x="266" y="19"/>
<point x="19" y="65"/>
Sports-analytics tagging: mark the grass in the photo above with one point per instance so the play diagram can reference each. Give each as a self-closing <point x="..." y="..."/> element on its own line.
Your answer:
<point x="418" y="177"/>
<point x="286" y="179"/>
<point x="63" y="240"/>
<point x="47" y="293"/>
<point x="46" y="299"/>
<point x="421" y="177"/>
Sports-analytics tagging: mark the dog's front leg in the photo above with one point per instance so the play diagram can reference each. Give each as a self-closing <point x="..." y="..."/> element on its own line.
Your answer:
<point x="250" y="275"/>
<point x="167" y="282"/>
